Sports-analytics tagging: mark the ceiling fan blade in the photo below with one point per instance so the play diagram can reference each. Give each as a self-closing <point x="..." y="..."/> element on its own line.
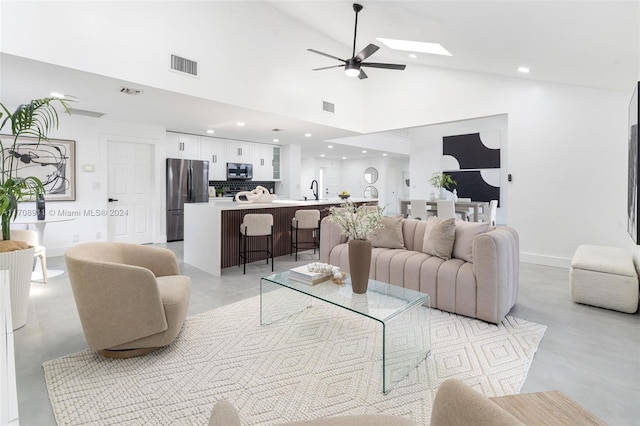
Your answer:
<point x="326" y="68"/>
<point x="362" y="74"/>
<point x="367" y="51"/>
<point x="326" y="54"/>
<point x="385" y="66"/>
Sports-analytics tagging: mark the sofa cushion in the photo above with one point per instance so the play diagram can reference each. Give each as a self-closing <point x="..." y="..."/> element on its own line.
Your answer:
<point x="465" y="233"/>
<point x="390" y="234"/>
<point x="439" y="237"/>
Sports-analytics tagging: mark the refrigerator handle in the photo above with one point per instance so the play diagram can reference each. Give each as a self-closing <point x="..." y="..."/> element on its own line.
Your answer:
<point x="190" y="185"/>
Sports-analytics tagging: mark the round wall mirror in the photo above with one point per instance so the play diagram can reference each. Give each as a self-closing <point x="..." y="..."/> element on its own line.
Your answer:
<point x="370" y="192"/>
<point x="371" y="175"/>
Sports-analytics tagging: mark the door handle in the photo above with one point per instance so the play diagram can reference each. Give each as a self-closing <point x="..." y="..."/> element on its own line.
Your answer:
<point x="111" y="200"/>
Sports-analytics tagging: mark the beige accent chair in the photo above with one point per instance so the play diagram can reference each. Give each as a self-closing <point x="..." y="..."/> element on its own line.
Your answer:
<point x="31" y="237"/>
<point x="455" y="404"/>
<point x="130" y="298"/>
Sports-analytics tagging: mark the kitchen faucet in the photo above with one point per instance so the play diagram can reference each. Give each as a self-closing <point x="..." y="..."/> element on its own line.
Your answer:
<point x="315" y="193"/>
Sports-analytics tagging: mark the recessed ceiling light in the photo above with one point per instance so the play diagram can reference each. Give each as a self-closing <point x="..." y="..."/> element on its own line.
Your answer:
<point x="523" y="70"/>
<point x="211" y="131"/>
<point x="364" y="151"/>
<point x="307" y="135"/>
<point x="276" y="140"/>
<point x="240" y="124"/>
<point x="329" y="146"/>
<point x="344" y="158"/>
<point x="384" y="154"/>
<point x="415" y="46"/>
<point x="413" y="55"/>
<point x="322" y="155"/>
<point x="56" y="95"/>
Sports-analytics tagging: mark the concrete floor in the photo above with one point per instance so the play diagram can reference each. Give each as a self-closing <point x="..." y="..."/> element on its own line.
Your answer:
<point x="591" y="354"/>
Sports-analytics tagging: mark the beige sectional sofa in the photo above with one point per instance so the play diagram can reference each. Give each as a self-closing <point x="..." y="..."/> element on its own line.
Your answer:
<point x="480" y="279"/>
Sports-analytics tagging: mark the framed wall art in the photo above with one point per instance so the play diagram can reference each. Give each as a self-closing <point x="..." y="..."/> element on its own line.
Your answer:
<point x="52" y="161"/>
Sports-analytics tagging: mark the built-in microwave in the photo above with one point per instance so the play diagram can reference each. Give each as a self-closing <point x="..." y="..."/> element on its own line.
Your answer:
<point x="237" y="171"/>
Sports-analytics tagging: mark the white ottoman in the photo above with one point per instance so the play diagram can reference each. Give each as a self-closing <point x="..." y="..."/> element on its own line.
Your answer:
<point x="605" y="277"/>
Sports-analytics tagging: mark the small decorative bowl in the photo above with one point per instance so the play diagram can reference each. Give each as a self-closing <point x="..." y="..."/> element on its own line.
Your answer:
<point x="344" y="196"/>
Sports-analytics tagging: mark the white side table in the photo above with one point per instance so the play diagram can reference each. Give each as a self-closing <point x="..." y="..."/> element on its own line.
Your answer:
<point x="39" y="226"/>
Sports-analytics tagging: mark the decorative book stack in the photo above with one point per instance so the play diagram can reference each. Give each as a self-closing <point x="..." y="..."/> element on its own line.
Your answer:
<point x="303" y="275"/>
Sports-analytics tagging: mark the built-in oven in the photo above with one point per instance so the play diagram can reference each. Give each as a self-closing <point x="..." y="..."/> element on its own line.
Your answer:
<point x="239" y="171"/>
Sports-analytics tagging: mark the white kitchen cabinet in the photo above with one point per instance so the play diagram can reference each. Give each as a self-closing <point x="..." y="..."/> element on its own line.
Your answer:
<point x="183" y="146"/>
<point x="262" y="160"/>
<point x="213" y="150"/>
<point x="276" y="163"/>
<point x="238" y="151"/>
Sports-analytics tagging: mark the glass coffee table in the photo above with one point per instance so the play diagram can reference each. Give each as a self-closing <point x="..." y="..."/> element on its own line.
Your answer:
<point x="402" y="313"/>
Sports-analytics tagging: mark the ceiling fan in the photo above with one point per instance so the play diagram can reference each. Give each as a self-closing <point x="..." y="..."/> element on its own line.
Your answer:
<point x="353" y="66"/>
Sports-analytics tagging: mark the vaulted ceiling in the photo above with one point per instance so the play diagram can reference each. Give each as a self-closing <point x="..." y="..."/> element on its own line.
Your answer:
<point x="593" y="44"/>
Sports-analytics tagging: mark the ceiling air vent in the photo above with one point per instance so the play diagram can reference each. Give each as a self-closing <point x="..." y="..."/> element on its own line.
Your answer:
<point x="86" y="113"/>
<point x="184" y="65"/>
<point x="130" y="91"/>
<point x="328" y="107"/>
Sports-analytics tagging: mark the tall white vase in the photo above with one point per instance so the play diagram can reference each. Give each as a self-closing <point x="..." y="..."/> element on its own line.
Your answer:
<point x="19" y="263"/>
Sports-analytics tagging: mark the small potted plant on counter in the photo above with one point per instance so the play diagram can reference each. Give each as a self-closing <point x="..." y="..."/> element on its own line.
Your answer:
<point x="442" y="182"/>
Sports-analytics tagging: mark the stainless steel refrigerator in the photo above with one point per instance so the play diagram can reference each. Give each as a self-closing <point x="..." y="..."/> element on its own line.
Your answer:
<point x="187" y="182"/>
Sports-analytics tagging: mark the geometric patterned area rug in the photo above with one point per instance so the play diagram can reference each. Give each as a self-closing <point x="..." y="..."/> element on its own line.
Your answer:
<point x="321" y="362"/>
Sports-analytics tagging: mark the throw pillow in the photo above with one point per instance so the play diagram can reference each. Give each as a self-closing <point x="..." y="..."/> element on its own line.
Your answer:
<point x="465" y="233"/>
<point x="439" y="237"/>
<point x="390" y="235"/>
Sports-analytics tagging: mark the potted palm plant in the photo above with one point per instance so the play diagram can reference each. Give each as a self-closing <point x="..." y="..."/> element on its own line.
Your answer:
<point x="35" y="119"/>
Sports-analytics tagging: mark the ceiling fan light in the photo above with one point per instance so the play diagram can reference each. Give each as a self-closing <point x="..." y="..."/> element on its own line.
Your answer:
<point x="352" y="71"/>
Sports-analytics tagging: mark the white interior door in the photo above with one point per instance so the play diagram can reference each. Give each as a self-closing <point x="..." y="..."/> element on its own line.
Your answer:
<point x="330" y="181"/>
<point x="130" y="185"/>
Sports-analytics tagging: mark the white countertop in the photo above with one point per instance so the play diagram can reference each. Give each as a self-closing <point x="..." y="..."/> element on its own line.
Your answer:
<point x="226" y="203"/>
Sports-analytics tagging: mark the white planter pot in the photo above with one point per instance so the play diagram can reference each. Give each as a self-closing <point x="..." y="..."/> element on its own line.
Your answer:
<point x="19" y="263"/>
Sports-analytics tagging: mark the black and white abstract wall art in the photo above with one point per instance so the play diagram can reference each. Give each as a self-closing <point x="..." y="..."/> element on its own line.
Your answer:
<point x="51" y="161"/>
<point x="473" y="161"/>
<point x="634" y="161"/>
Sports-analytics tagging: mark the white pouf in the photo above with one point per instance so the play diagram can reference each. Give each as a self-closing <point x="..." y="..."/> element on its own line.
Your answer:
<point x="605" y="277"/>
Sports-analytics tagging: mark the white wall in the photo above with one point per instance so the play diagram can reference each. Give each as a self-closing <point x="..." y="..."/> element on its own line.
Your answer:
<point x="567" y="151"/>
<point x="389" y="183"/>
<point x="133" y="41"/>
<point x="426" y="155"/>
<point x="567" y="145"/>
<point x="91" y="136"/>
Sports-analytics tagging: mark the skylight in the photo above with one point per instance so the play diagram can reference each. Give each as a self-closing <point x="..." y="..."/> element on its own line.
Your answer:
<point x="415" y="46"/>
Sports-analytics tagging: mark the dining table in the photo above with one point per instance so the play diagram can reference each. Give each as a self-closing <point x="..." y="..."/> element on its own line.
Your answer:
<point x="460" y="206"/>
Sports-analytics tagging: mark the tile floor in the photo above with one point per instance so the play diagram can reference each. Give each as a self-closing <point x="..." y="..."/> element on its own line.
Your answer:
<point x="591" y="354"/>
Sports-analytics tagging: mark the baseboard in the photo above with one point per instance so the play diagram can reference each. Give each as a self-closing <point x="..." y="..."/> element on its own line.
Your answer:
<point x="540" y="259"/>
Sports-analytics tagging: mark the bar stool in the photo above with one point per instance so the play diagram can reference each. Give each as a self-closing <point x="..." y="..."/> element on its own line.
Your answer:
<point x="255" y="225"/>
<point x="306" y="220"/>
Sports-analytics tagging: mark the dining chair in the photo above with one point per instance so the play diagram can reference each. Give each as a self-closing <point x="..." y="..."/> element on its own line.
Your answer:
<point x="446" y="209"/>
<point x="419" y="209"/>
<point x="462" y="212"/>
<point x="490" y="216"/>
